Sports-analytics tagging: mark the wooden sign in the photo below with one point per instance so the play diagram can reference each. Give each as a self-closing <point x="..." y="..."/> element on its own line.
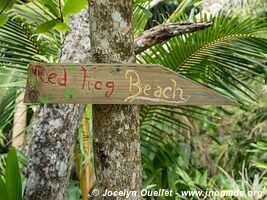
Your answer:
<point x="115" y="84"/>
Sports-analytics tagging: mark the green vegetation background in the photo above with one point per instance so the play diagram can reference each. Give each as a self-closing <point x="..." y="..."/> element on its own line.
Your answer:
<point x="183" y="148"/>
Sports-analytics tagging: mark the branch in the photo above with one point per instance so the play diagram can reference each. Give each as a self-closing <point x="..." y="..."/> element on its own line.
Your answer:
<point x="164" y="32"/>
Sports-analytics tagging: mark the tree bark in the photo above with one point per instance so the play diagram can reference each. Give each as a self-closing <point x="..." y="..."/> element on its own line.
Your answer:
<point x="164" y="32"/>
<point x="115" y="127"/>
<point x="55" y="133"/>
<point x="19" y="124"/>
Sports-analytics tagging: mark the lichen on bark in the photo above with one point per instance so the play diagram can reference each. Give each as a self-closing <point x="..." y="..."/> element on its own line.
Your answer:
<point x="55" y="131"/>
<point x="115" y="127"/>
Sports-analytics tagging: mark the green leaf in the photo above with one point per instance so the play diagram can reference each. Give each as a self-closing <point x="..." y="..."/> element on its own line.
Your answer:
<point x="12" y="176"/>
<point x="6" y="4"/>
<point x="147" y="12"/>
<point x="52" y="7"/>
<point x="47" y="26"/>
<point x="3" y="190"/>
<point x="61" y="26"/>
<point x="73" y="8"/>
<point x="3" y="19"/>
<point x="74" y="191"/>
<point x="260" y="164"/>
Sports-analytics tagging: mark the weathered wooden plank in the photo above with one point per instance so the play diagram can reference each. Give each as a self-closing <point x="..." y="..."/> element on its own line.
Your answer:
<point x="115" y="84"/>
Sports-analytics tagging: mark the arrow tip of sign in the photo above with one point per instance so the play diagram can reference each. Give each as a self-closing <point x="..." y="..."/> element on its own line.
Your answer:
<point x="223" y="100"/>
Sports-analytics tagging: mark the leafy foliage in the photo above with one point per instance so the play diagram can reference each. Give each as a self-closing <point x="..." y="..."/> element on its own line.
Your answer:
<point x="222" y="51"/>
<point x="19" y="45"/>
<point x="70" y="8"/>
<point x="260" y="148"/>
<point x="6" y="5"/>
<point x="3" y="19"/>
<point x="227" y="58"/>
<point x="11" y="186"/>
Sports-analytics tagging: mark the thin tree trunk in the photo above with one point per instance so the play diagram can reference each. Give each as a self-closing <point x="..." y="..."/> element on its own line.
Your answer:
<point x="55" y="133"/>
<point x="19" y="124"/>
<point x="115" y="127"/>
<point x="25" y="149"/>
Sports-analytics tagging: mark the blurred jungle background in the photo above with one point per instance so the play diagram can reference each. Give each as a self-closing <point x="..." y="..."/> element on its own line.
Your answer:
<point x="183" y="147"/>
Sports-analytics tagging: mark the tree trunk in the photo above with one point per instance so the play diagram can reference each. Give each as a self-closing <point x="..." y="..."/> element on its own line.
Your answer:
<point x="55" y="133"/>
<point x="115" y="127"/>
<point x="19" y="124"/>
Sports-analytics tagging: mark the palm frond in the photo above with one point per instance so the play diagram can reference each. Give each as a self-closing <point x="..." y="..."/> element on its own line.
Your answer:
<point x="141" y="16"/>
<point x="164" y="128"/>
<point x="7" y="101"/>
<point x="20" y="45"/>
<point x="226" y="58"/>
<point x="217" y="56"/>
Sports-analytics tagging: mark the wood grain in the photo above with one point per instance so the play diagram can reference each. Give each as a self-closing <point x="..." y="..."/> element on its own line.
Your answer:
<point x="115" y="84"/>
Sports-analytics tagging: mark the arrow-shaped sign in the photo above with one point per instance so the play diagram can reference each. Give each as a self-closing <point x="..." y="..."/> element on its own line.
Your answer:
<point x="206" y="94"/>
<point x="115" y="84"/>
